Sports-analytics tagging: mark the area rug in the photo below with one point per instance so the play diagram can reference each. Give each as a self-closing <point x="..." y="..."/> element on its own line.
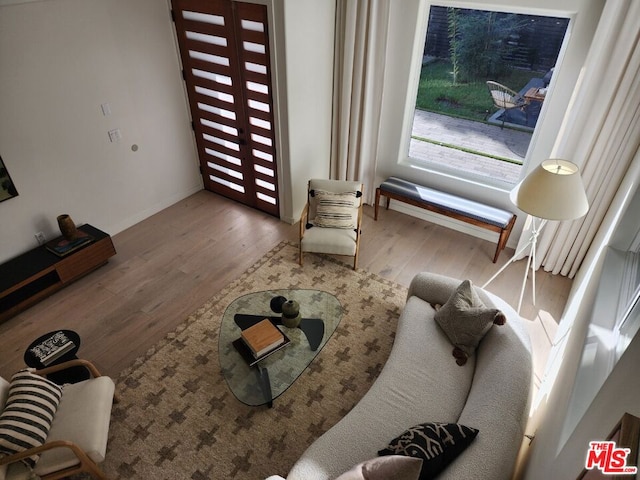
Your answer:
<point x="177" y="419"/>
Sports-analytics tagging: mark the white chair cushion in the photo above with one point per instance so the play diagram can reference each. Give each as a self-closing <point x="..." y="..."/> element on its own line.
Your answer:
<point x="334" y="241"/>
<point x="86" y="404"/>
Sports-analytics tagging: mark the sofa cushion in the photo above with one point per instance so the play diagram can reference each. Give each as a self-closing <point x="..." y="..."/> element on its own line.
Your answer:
<point x="385" y="468"/>
<point x="437" y="444"/>
<point x="31" y="405"/>
<point x="465" y="319"/>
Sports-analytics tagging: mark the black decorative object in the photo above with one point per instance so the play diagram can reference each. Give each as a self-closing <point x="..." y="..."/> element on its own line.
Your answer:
<point x="7" y="188"/>
<point x="276" y="303"/>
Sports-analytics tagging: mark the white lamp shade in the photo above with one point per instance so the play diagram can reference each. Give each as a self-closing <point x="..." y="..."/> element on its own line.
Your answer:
<point x="553" y="191"/>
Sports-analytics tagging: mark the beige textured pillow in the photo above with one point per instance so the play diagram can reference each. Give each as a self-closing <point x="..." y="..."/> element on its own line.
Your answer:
<point x="465" y="320"/>
<point x="336" y="210"/>
<point x="385" y="468"/>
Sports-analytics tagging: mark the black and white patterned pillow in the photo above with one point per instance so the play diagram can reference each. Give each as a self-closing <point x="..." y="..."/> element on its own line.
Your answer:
<point x="336" y="210"/>
<point x="437" y="444"/>
<point x="27" y="416"/>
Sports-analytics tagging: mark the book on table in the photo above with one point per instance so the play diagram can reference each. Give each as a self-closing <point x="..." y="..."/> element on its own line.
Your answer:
<point x="262" y="337"/>
<point x="52" y="348"/>
<point x="62" y="247"/>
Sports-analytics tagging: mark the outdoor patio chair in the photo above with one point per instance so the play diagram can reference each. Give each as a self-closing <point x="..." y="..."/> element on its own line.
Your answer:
<point x="505" y="98"/>
<point x="330" y="221"/>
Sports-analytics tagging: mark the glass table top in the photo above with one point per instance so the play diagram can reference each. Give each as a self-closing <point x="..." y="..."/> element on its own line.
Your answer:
<point x="270" y="377"/>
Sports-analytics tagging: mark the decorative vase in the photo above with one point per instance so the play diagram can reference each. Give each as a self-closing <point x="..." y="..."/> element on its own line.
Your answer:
<point x="67" y="227"/>
<point x="276" y="303"/>
<point x="291" y="314"/>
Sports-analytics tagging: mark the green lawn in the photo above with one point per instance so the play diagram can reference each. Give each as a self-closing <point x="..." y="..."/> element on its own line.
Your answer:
<point x="436" y="92"/>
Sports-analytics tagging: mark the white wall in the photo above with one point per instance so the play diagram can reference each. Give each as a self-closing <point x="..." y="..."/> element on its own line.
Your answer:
<point x="59" y="61"/>
<point x="406" y="39"/>
<point x="550" y="456"/>
<point x="305" y="86"/>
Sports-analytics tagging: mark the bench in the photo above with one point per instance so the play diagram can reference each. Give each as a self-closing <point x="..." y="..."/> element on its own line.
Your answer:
<point x="453" y="206"/>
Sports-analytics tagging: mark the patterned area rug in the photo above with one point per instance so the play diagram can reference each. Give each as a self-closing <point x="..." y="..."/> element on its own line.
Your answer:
<point x="177" y="419"/>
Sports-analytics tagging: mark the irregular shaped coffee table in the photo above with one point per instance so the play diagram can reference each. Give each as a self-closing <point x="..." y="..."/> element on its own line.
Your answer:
<point x="270" y="377"/>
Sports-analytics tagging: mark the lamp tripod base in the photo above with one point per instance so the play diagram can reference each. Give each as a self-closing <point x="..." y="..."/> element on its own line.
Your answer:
<point x="531" y="261"/>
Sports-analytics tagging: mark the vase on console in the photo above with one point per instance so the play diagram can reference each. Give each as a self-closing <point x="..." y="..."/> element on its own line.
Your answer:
<point x="67" y="227"/>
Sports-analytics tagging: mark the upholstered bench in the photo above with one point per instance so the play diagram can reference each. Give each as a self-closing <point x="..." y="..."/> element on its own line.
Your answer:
<point x="453" y="206"/>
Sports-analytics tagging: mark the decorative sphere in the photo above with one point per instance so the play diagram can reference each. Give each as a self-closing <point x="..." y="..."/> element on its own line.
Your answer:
<point x="276" y="303"/>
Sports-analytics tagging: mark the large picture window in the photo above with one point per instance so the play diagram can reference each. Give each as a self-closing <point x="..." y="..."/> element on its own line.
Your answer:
<point x="483" y="85"/>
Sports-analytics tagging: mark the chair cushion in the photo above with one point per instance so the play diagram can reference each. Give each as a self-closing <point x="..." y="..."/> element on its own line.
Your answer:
<point x="336" y="210"/>
<point x="338" y="241"/>
<point x="465" y="320"/>
<point x="83" y="418"/>
<point x="31" y="405"/>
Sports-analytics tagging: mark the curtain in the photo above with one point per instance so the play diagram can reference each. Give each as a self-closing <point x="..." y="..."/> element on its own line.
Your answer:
<point x="600" y="133"/>
<point x="360" y="46"/>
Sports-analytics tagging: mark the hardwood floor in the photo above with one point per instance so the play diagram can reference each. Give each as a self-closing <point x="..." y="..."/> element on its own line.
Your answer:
<point x="171" y="263"/>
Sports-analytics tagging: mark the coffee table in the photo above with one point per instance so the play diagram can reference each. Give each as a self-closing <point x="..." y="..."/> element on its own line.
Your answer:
<point x="261" y="383"/>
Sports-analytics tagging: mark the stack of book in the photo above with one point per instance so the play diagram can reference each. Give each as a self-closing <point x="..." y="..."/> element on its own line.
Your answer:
<point x="62" y="247"/>
<point x="52" y="348"/>
<point x="262" y="338"/>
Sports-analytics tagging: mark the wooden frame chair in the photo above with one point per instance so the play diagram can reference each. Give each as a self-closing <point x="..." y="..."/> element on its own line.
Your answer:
<point x="505" y="98"/>
<point x="72" y="446"/>
<point x="330" y="221"/>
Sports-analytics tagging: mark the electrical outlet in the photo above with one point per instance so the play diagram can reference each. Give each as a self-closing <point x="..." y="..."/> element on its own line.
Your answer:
<point x="40" y="238"/>
<point x="115" y="135"/>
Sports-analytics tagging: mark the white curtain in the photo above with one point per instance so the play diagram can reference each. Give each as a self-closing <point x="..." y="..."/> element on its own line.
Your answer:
<point x="600" y="133"/>
<point x="360" y="45"/>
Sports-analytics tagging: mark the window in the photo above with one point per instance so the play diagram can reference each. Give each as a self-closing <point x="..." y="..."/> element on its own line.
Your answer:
<point x="460" y="126"/>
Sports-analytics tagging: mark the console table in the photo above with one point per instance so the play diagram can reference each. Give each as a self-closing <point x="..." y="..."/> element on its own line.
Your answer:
<point x="36" y="274"/>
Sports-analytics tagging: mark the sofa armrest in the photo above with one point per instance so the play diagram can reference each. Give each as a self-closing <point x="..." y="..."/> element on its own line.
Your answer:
<point x="436" y="289"/>
<point x="432" y="288"/>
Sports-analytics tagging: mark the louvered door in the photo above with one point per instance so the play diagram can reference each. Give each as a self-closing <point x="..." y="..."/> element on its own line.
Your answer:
<point x="225" y="57"/>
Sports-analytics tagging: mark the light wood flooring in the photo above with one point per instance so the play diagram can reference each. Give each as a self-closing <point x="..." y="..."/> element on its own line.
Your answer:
<point x="171" y="263"/>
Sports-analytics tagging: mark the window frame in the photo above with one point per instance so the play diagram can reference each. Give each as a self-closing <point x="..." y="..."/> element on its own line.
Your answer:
<point x="454" y="174"/>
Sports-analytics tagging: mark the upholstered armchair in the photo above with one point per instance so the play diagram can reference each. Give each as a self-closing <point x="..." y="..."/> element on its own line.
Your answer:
<point x="52" y="431"/>
<point x="331" y="219"/>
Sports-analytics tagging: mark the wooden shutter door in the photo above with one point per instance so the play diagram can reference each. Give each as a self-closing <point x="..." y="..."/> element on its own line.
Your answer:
<point x="225" y="57"/>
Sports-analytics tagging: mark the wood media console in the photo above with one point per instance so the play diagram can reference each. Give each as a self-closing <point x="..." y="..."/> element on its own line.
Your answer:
<point x="36" y="274"/>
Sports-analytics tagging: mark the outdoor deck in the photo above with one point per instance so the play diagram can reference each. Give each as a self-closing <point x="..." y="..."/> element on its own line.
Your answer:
<point x="475" y="136"/>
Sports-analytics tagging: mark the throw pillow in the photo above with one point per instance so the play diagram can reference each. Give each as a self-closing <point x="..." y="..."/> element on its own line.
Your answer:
<point x="437" y="444"/>
<point x="465" y="320"/>
<point x="336" y="210"/>
<point x="385" y="468"/>
<point x="27" y="416"/>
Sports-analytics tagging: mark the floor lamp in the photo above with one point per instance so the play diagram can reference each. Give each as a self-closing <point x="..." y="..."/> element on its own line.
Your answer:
<point x="552" y="191"/>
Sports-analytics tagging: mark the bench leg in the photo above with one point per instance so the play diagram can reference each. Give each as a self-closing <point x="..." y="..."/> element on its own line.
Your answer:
<point x="504" y="236"/>
<point x="375" y="215"/>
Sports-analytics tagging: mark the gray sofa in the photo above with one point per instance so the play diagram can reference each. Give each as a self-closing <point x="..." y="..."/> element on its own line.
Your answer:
<point x="421" y="382"/>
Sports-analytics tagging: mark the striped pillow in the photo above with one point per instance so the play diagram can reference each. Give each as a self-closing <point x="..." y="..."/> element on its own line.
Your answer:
<point x="28" y="413"/>
<point x="336" y="210"/>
